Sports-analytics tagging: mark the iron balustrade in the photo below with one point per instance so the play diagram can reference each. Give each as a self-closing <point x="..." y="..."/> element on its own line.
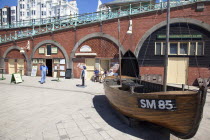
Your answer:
<point x="54" y="24"/>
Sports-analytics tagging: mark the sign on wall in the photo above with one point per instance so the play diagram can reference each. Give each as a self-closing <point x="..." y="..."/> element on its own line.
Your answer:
<point x="179" y="36"/>
<point x="41" y="60"/>
<point x="80" y="65"/>
<point x="62" y="68"/>
<point x="34" y="71"/>
<point x="62" y="73"/>
<point x="56" y="61"/>
<point x="62" y="61"/>
<point x="41" y="50"/>
<point x="35" y="61"/>
<point x="85" y="48"/>
<point x="54" y="50"/>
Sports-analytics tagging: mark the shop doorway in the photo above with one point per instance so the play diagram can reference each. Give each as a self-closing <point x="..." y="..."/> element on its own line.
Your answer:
<point x="49" y="65"/>
<point x="177" y="70"/>
<point x="20" y="66"/>
<point x="15" y="66"/>
<point x="104" y="66"/>
<point x="90" y="63"/>
<point x="11" y="65"/>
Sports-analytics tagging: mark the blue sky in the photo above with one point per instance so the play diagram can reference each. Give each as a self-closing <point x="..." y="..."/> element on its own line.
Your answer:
<point x="85" y="6"/>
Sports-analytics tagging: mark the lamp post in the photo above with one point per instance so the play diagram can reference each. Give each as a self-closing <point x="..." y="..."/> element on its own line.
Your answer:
<point x="130" y="27"/>
<point x="27" y="47"/>
<point x="22" y="51"/>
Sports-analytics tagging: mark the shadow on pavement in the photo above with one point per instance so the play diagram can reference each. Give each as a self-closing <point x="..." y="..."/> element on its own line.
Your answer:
<point x="145" y="130"/>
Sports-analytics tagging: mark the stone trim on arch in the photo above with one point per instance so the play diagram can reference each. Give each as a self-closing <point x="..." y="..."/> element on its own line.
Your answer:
<point x="15" y="48"/>
<point x="174" y="20"/>
<point x="56" y="44"/>
<point x="93" y="35"/>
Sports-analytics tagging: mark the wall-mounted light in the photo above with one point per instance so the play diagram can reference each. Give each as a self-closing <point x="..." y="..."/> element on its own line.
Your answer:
<point x="22" y="50"/>
<point x="27" y="47"/>
<point x="130" y="27"/>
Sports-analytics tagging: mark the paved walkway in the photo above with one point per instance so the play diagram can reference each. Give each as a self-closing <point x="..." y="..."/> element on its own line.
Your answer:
<point x="62" y="111"/>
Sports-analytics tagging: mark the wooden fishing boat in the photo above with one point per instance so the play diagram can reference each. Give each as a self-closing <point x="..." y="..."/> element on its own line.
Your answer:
<point x="178" y="110"/>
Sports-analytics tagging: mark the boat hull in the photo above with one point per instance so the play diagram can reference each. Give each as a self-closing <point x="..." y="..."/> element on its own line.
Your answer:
<point x="183" y="121"/>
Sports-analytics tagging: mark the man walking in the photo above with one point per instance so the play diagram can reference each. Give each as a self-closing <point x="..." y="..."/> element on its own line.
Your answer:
<point x="44" y="71"/>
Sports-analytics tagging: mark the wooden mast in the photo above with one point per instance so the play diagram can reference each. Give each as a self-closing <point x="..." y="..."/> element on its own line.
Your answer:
<point x="166" y="48"/>
<point x="119" y="50"/>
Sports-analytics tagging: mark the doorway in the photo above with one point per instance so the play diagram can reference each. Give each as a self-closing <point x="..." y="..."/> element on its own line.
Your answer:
<point x="177" y="70"/>
<point x="49" y="65"/>
<point x="20" y="65"/>
<point x="104" y="66"/>
<point x="90" y="64"/>
<point x="11" y="65"/>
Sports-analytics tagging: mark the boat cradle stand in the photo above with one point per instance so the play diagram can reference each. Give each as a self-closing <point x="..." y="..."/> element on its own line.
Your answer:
<point x="134" y="123"/>
<point x="131" y="122"/>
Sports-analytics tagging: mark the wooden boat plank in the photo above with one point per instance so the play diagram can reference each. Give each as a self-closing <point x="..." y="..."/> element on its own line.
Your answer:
<point x="127" y="104"/>
<point x="165" y="119"/>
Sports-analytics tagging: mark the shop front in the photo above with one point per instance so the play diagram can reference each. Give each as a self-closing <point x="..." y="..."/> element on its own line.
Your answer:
<point x="15" y="62"/>
<point x="188" y="49"/>
<point x="95" y="53"/>
<point x="54" y="59"/>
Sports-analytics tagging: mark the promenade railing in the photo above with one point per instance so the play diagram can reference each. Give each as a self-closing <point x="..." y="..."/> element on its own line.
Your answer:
<point x="53" y="24"/>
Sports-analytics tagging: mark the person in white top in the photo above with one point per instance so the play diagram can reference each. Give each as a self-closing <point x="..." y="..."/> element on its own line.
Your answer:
<point x="110" y="73"/>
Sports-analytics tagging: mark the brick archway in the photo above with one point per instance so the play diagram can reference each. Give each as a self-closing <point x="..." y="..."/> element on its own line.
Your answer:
<point x="54" y="43"/>
<point x="15" y="48"/>
<point x="162" y="24"/>
<point x="93" y="35"/>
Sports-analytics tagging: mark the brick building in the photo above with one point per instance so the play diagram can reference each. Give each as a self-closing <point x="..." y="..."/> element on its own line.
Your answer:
<point x="96" y="44"/>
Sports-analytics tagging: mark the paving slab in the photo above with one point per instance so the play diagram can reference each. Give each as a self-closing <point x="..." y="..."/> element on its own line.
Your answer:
<point x="62" y="111"/>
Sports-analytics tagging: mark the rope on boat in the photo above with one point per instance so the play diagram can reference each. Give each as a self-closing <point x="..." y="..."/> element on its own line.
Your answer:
<point x="196" y="60"/>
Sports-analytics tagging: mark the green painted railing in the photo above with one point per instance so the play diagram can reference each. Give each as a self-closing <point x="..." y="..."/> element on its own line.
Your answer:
<point x="51" y="25"/>
<point x="35" y="22"/>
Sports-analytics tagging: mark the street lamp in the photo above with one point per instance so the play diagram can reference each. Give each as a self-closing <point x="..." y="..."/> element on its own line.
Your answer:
<point x="130" y="27"/>
<point x="27" y="47"/>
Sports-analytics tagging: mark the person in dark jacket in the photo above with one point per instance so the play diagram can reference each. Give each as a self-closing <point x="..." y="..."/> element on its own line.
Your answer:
<point x="83" y="75"/>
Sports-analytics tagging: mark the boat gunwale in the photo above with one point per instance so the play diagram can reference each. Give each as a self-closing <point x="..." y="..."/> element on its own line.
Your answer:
<point x="180" y="93"/>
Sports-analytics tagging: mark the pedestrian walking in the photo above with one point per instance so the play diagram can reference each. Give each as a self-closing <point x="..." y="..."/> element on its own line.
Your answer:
<point x="44" y="71"/>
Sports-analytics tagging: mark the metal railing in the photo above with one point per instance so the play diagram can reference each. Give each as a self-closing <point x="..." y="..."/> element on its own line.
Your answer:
<point x="36" y="22"/>
<point x="70" y="22"/>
